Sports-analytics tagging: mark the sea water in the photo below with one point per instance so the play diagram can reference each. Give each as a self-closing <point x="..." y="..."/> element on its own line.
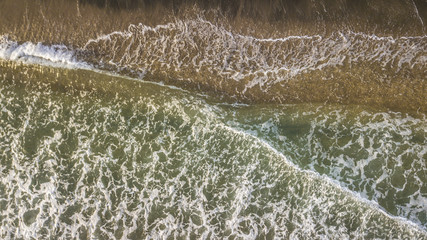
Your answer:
<point x="212" y="120"/>
<point x="92" y="156"/>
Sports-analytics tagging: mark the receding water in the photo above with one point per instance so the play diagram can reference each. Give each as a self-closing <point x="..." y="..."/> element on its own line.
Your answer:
<point x="283" y="51"/>
<point x="92" y="156"/>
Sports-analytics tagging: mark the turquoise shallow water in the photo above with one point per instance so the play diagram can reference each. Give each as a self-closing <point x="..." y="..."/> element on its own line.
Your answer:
<point x="91" y="156"/>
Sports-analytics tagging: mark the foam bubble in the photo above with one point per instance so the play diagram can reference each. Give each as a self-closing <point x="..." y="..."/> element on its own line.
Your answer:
<point x="37" y="53"/>
<point x="378" y="155"/>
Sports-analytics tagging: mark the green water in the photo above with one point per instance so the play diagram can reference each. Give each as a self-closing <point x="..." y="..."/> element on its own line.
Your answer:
<point x="91" y="156"/>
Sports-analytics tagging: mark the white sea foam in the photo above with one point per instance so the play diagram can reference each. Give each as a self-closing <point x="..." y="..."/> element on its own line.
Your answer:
<point x="172" y="168"/>
<point x="376" y="156"/>
<point x="202" y="47"/>
<point x="37" y="53"/>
